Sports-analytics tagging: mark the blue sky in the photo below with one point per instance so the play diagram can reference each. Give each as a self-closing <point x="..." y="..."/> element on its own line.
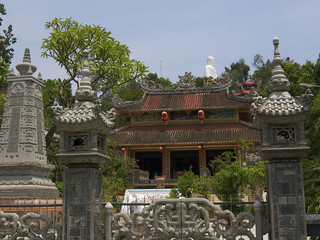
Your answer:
<point x="181" y="34"/>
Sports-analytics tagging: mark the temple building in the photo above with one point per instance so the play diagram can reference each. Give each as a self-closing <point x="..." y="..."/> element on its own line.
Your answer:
<point x="171" y="130"/>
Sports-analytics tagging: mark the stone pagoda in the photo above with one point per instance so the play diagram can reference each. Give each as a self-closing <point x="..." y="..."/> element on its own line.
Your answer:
<point x="281" y="119"/>
<point x="24" y="171"/>
<point x="83" y="132"/>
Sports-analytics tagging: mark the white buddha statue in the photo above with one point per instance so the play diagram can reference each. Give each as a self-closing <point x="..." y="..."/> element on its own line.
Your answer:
<point x="210" y="70"/>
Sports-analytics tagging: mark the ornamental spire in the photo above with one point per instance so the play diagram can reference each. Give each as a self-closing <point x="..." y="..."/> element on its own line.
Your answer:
<point x="85" y="92"/>
<point x="26" y="68"/>
<point x="278" y="81"/>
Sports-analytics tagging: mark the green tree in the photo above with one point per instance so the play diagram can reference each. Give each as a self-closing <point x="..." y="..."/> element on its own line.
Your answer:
<point x="6" y="39"/>
<point x="239" y="72"/>
<point x="219" y="161"/>
<point x="230" y="181"/>
<point x="109" y="60"/>
<point x="110" y="63"/>
<point x="311" y="175"/>
<point x="263" y="73"/>
<point x="256" y="178"/>
<point x="115" y="174"/>
<point x="165" y="82"/>
<point x="191" y="185"/>
<point x="187" y="184"/>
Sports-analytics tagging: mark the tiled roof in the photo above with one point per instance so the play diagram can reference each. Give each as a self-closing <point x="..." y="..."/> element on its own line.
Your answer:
<point x="184" y="101"/>
<point x="83" y="116"/>
<point x="281" y="104"/>
<point x="185" y="134"/>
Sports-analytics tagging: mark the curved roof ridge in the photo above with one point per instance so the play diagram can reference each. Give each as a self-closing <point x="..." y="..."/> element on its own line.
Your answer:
<point x="186" y="86"/>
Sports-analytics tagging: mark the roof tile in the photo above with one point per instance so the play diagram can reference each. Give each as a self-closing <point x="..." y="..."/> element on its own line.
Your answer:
<point x="184" y="101"/>
<point x="185" y="134"/>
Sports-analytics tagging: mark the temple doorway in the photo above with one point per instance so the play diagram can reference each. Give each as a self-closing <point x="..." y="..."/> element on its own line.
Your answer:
<point x="150" y="161"/>
<point x="181" y="161"/>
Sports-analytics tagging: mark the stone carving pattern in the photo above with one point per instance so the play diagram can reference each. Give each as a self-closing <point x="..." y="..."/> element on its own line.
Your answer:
<point x="78" y="142"/>
<point x="150" y="86"/>
<point x="30" y="226"/>
<point x="57" y="109"/>
<point x="18" y="89"/>
<point x="26" y="180"/>
<point x="182" y="219"/>
<point x="186" y="82"/>
<point x="283" y="135"/>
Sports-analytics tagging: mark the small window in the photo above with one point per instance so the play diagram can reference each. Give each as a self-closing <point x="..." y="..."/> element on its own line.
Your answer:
<point x="78" y="142"/>
<point x="283" y="135"/>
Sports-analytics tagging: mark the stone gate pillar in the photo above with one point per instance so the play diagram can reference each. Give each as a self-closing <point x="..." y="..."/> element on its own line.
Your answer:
<point x="83" y="130"/>
<point x="281" y="119"/>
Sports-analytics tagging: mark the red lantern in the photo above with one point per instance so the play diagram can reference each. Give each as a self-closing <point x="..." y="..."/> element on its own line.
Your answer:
<point x="200" y="114"/>
<point x="123" y="150"/>
<point x="161" y="149"/>
<point x="164" y="116"/>
<point x="199" y="148"/>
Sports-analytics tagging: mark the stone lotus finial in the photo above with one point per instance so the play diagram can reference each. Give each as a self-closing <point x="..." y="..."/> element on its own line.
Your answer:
<point x="11" y="72"/>
<point x="26" y="68"/>
<point x="278" y="81"/>
<point x="40" y="76"/>
<point x="85" y="92"/>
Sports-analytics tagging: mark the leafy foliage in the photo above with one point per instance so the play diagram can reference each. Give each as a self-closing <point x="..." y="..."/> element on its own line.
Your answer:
<point x="256" y="178"/>
<point x="50" y="94"/>
<point x="6" y="40"/>
<point x="110" y="64"/>
<point x="115" y="174"/>
<point x="219" y="161"/>
<point x="6" y="54"/>
<point x="239" y="72"/>
<point x="165" y="82"/>
<point x="311" y="172"/>
<point x="187" y="185"/>
<point x="230" y="181"/>
<point x="190" y="185"/>
<point x="57" y="174"/>
<point x="262" y="73"/>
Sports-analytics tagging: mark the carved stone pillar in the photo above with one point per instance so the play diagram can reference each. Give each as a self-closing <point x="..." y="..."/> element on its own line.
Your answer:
<point x="83" y="148"/>
<point x="24" y="171"/>
<point x="281" y="119"/>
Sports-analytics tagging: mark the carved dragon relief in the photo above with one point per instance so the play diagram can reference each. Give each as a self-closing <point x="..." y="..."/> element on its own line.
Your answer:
<point x="183" y="219"/>
<point x="30" y="226"/>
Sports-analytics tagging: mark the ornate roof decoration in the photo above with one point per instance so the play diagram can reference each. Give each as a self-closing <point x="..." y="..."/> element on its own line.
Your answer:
<point x="149" y="85"/>
<point x="186" y="82"/>
<point x="187" y="86"/>
<point x="119" y="102"/>
<point x="85" y="114"/>
<point x="246" y="88"/>
<point x="280" y="102"/>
